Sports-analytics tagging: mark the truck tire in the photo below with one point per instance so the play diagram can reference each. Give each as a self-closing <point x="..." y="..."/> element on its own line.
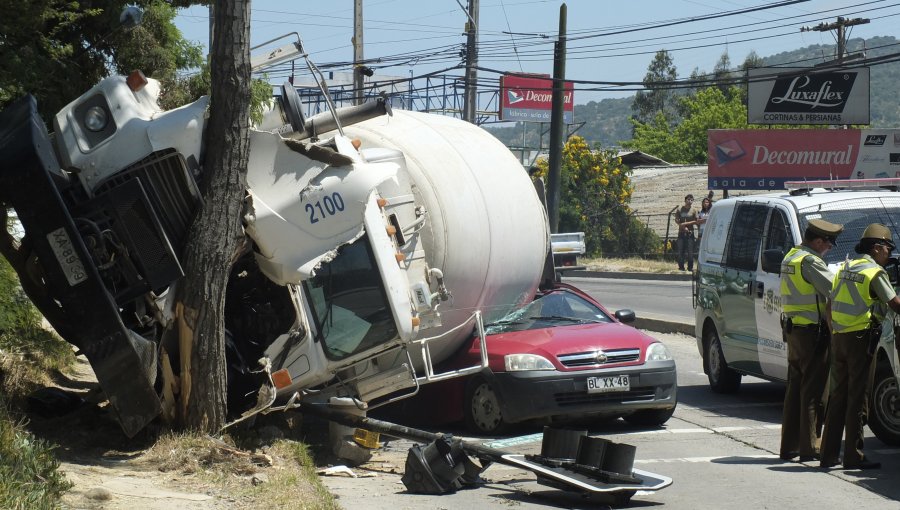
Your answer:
<point x="721" y="378"/>
<point x="884" y="415"/>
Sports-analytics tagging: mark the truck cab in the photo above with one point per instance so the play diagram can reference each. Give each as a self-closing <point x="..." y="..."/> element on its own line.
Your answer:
<point x="737" y="291"/>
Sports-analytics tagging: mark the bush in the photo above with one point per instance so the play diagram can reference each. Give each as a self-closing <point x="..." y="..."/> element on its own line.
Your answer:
<point x="29" y="473"/>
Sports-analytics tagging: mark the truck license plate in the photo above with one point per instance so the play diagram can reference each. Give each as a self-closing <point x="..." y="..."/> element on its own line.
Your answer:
<point x="608" y="384"/>
<point x="65" y="254"/>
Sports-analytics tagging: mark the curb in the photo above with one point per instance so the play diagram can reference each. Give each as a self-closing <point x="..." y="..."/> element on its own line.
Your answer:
<point x="663" y="325"/>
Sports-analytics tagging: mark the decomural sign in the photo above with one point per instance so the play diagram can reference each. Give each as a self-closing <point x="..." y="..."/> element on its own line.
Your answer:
<point x="764" y="159"/>
<point x="530" y="99"/>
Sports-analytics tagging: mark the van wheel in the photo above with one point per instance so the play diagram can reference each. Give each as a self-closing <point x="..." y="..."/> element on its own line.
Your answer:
<point x="885" y="404"/>
<point x="721" y="378"/>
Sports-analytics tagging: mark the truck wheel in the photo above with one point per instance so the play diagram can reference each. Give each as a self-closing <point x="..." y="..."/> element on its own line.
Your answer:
<point x="884" y="418"/>
<point x="650" y="417"/>
<point x="721" y="378"/>
<point x="482" y="408"/>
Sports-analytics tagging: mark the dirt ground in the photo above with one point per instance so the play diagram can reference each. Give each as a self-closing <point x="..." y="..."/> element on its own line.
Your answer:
<point x="112" y="472"/>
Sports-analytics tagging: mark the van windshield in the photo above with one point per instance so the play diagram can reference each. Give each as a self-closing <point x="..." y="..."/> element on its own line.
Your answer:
<point x="855" y="214"/>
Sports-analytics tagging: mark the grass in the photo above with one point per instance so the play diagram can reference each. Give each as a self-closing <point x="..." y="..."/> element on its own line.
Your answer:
<point x="630" y="265"/>
<point x="29" y="473"/>
<point x="279" y="475"/>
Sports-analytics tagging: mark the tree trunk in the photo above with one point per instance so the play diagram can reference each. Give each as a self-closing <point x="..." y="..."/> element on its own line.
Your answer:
<point x="216" y="233"/>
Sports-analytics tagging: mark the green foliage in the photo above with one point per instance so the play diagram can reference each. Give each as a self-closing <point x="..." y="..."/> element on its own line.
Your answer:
<point x="29" y="473"/>
<point x="595" y="189"/>
<point x="709" y="108"/>
<point x="57" y="49"/>
<point x="659" y="98"/>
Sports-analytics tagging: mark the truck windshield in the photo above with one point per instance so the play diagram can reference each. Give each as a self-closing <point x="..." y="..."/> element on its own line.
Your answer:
<point x="349" y="304"/>
<point x="855" y="214"/>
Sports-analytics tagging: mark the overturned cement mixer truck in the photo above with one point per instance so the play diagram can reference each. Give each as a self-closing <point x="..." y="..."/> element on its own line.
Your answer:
<point x="379" y="242"/>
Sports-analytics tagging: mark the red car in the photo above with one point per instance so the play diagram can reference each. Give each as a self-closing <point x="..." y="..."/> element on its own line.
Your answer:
<point x="561" y="356"/>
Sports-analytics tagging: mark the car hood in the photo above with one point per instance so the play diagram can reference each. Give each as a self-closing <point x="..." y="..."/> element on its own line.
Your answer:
<point x="569" y="339"/>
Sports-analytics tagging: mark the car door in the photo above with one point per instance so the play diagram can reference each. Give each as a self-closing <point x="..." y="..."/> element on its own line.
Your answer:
<point x="739" y="335"/>
<point x="771" y="346"/>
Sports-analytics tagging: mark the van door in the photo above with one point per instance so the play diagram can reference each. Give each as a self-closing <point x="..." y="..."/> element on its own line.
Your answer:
<point x="739" y="335"/>
<point x="771" y="347"/>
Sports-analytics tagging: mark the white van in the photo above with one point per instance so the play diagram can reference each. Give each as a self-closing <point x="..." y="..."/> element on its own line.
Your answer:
<point x="737" y="288"/>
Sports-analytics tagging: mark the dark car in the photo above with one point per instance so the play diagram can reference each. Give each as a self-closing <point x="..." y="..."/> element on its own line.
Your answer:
<point x="562" y="356"/>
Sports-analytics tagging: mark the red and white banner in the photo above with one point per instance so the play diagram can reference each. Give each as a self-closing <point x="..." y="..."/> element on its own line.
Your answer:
<point x="529" y="98"/>
<point x="766" y="158"/>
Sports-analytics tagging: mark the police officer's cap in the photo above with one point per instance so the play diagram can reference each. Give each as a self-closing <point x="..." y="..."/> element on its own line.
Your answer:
<point x="879" y="232"/>
<point x="824" y="229"/>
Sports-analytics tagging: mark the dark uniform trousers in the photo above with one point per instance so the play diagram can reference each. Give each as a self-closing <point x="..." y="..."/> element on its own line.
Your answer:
<point x="848" y="396"/>
<point x="807" y="374"/>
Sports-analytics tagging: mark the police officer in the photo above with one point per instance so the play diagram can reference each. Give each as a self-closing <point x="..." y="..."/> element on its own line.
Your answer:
<point x="861" y="285"/>
<point x="805" y="286"/>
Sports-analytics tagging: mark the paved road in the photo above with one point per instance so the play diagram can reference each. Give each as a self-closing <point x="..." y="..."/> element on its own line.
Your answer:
<point x="654" y="298"/>
<point x="720" y="450"/>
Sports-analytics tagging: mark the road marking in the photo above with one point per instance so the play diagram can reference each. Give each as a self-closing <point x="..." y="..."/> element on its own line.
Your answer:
<point x="698" y="430"/>
<point x="695" y="460"/>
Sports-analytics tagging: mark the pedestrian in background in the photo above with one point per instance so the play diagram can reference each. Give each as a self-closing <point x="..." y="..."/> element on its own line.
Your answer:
<point x="806" y="284"/>
<point x="686" y="218"/>
<point x="702" y="215"/>
<point x="858" y="295"/>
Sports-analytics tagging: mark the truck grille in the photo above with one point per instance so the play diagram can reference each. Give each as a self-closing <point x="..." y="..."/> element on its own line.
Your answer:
<point x="590" y="359"/>
<point x="172" y="192"/>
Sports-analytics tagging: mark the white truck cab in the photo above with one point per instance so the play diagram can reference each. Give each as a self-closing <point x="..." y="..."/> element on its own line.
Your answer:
<point x="737" y="291"/>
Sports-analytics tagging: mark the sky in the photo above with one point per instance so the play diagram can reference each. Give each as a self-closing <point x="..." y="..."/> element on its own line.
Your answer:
<point x="607" y="41"/>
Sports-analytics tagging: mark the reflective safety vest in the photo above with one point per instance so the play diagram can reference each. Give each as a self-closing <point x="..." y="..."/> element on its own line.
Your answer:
<point x="851" y="300"/>
<point x="799" y="299"/>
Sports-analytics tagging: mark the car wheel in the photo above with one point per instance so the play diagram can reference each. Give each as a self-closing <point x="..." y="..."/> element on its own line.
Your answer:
<point x="650" y="417"/>
<point x="721" y="378"/>
<point x="482" y="407"/>
<point x="884" y="419"/>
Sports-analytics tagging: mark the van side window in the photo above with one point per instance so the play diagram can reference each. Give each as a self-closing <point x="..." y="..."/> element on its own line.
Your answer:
<point x="778" y="237"/>
<point x="746" y="236"/>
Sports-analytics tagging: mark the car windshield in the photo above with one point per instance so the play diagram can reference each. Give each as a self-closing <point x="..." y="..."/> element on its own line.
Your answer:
<point x="855" y="215"/>
<point x="559" y="308"/>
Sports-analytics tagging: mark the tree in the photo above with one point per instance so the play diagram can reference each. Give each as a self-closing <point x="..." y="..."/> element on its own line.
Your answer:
<point x="686" y="143"/>
<point x="216" y="234"/>
<point x="659" y="97"/>
<point x="722" y="73"/>
<point x="77" y="45"/>
<point x="595" y="190"/>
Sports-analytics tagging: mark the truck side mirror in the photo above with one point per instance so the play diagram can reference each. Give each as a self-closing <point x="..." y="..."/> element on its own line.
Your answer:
<point x="771" y="260"/>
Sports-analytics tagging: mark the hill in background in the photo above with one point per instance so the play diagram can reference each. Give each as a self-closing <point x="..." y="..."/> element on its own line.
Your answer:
<point x="606" y="122"/>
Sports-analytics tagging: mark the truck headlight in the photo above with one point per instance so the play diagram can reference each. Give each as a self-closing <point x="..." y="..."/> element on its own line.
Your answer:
<point x="657" y="352"/>
<point x="95" y="119"/>
<point x="520" y="362"/>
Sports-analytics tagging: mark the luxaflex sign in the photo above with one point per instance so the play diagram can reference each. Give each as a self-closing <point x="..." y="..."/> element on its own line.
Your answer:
<point x="805" y="96"/>
<point x="530" y="98"/>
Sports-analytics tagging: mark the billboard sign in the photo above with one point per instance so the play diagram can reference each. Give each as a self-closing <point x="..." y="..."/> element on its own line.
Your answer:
<point x="807" y="96"/>
<point x="529" y="98"/>
<point x="762" y="159"/>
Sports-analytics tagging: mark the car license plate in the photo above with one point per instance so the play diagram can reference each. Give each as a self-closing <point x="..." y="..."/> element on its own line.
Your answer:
<point x="65" y="254"/>
<point x="608" y="384"/>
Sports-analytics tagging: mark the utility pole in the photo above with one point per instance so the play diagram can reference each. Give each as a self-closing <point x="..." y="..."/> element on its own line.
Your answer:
<point x="471" y="87"/>
<point x="556" y="123"/>
<point x="840" y="25"/>
<point x="358" y="77"/>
